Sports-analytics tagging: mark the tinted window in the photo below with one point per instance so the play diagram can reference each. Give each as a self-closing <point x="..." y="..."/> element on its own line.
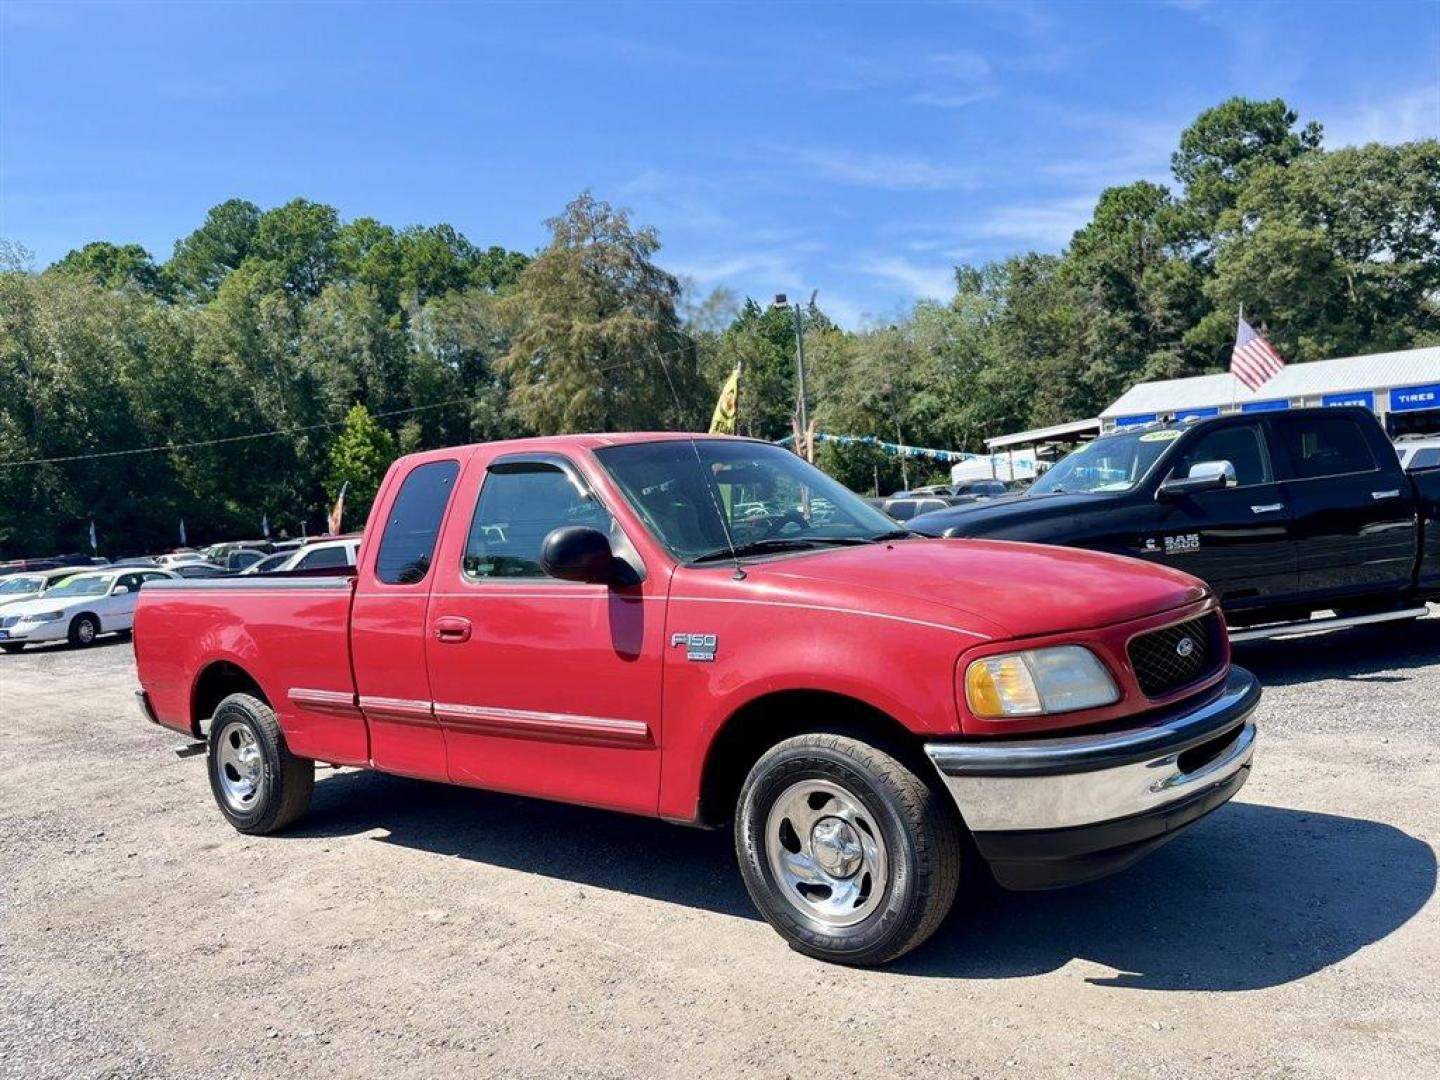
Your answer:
<point x="1326" y="446"/>
<point x="1425" y="458"/>
<point x="322" y="557"/>
<point x="409" y="541"/>
<point x="519" y="506"/>
<point x="1241" y="446"/>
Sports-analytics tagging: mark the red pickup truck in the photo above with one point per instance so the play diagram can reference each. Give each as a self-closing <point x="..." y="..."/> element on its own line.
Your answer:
<point x="709" y="629"/>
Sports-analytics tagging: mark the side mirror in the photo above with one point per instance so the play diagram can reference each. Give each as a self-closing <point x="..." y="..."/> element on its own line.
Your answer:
<point x="1204" y="476"/>
<point x="579" y="553"/>
<point x="119" y="589"/>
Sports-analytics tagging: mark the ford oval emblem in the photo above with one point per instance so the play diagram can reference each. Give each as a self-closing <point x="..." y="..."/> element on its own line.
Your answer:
<point x="1184" y="647"/>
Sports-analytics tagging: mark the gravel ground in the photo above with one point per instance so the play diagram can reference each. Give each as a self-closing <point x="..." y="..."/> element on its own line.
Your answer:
<point x="414" y="930"/>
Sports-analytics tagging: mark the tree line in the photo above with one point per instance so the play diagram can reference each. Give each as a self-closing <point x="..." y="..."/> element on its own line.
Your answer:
<point x="357" y="341"/>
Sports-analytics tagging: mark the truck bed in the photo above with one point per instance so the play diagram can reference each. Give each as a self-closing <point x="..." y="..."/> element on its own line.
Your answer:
<point x="291" y="631"/>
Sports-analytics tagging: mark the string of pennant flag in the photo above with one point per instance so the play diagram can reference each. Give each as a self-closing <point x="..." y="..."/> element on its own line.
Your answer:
<point x="898" y="449"/>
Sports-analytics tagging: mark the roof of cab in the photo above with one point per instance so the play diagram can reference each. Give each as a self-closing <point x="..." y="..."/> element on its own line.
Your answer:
<point x="592" y="441"/>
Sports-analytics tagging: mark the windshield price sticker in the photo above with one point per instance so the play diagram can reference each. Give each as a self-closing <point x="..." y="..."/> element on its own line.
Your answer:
<point x="1166" y="435"/>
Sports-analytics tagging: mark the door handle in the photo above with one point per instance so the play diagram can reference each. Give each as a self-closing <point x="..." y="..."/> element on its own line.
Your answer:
<point x="1377" y="495"/>
<point x="1267" y="508"/>
<point x="452" y="629"/>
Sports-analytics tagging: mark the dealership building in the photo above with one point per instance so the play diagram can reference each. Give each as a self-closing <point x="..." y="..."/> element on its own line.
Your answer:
<point x="1401" y="388"/>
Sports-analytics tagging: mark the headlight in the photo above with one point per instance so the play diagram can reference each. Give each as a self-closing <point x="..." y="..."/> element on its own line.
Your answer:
<point x="1059" y="679"/>
<point x="45" y="616"/>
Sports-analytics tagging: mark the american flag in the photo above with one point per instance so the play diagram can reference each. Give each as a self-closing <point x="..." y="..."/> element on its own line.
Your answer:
<point x="1254" y="360"/>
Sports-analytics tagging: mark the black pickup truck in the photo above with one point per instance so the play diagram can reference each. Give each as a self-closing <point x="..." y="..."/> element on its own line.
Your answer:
<point x="1283" y="513"/>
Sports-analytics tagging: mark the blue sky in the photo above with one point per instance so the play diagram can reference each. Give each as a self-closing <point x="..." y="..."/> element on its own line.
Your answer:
<point x="860" y="150"/>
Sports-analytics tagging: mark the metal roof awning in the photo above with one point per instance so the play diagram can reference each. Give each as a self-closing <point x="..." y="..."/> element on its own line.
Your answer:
<point x="1045" y="434"/>
<point x="1320" y="379"/>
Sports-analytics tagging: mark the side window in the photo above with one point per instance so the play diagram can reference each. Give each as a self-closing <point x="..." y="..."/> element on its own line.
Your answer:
<point x="518" y="507"/>
<point x="129" y="581"/>
<point x="1326" y="446"/>
<point x="1241" y="446"/>
<point x="408" y="544"/>
<point x="321" y="558"/>
<point x="1425" y="458"/>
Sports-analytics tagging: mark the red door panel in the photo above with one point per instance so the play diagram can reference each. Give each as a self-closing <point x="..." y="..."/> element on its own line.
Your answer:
<point x="543" y="687"/>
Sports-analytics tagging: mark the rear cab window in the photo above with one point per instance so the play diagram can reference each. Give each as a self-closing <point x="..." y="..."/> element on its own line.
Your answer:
<point x="412" y="525"/>
<point x="1325" y="446"/>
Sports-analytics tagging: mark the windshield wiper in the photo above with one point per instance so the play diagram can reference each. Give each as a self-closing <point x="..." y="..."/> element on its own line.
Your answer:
<point x="777" y="543"/>
<point x="893" y="534"/>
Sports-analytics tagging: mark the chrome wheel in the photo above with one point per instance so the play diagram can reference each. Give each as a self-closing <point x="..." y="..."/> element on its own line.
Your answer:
<point x="240" y="767"/>
<point x="85" y="631"/>
<point x="826" y="852"/>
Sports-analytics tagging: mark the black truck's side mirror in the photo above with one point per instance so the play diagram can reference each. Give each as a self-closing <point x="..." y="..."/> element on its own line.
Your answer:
<point x="579" y="553"/>
<point x="1204" y="476"/>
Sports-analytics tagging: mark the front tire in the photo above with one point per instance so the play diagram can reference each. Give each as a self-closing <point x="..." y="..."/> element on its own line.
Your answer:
<point x="84" y="629"/>
<point x="13" y="646"/>
<point x="847" y="853"/>
<point x="258" y="784"/>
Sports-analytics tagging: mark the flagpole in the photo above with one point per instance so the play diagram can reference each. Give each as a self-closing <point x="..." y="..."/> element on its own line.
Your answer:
<point x="1235" y="379"/>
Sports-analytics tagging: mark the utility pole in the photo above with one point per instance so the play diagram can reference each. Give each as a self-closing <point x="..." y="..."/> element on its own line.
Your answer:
<point x="804" y="409"/>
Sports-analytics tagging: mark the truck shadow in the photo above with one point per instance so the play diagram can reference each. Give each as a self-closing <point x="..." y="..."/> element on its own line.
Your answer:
<point x="1253" y="897"/>
<point x="1379" y="653"/>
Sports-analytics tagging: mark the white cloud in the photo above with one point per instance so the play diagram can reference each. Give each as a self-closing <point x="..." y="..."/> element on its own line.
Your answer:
<point x="1414" y="114"/>
<point x="889" y="172"/>
<point x="951" y="101"/>
<point x="1047" y="225"/>
<point x="928" y="282"/>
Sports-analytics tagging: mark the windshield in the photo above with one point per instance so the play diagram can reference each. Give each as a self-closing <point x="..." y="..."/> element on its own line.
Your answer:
<point x="1115" y="463"/>
<point x="81" y="585"/>
<point x="20" y="584"/>
<point x="689" y="492"/>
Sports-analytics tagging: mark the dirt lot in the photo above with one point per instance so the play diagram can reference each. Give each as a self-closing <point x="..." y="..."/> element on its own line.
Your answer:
<point x="412" y="930"/>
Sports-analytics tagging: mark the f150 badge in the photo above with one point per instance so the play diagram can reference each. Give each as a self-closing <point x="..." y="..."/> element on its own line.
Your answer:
<point x="1172" y="545"/>
<point x="697" y="646"/>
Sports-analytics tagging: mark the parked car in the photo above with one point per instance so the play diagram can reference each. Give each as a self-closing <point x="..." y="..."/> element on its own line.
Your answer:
<point x="323" y="553"/>
<point x="79" y="609"/>
<point x="1284" y="514"/>
<point x="269" y="564"/>
<point x="174" y="558"/>
<point x="199" y="570"/>
<point x="27" y="586"/>
<point x="1418" y="452"/>
<point x="140" y="560"/>
<point x="586" y="619"/>
<point x="905" y="508"/>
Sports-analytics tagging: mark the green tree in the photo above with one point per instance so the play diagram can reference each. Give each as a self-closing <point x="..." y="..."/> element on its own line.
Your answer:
<point x="1225" y="146"/>
<point x="299" y="240"/>
<point x="596" y="343"/>
<point x="112" y="267"/>
<point x="359" y="457"/>
<point x="201" y="260"/>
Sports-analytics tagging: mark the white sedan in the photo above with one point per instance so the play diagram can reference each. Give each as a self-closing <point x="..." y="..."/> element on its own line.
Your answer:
<point x="79" y="609"/>
<point x="17" y="588"/>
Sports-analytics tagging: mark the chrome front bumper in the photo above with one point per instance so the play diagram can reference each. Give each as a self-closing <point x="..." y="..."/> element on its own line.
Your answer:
<point x="1053" y="811"/>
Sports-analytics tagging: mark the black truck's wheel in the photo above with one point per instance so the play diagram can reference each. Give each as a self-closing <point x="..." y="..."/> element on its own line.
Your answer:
<point x="845" y="851"/>
<point x="84" y="629"/>
<point x="259" y="785"/>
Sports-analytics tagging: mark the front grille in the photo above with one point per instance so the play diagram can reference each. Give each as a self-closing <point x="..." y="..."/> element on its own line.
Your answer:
<point x="1164" y="663"/>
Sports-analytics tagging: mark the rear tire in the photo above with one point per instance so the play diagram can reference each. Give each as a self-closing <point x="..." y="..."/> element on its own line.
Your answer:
<point x="847" y="853"/>
<point x="258" y="784"/>
<point x="84" y="629"/>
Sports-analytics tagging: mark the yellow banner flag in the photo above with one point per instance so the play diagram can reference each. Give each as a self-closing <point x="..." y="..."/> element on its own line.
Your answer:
<point x="723" y="422"/>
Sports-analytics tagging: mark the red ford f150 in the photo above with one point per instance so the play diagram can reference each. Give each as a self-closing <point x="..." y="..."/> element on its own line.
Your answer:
<point x="709" y="629"/>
